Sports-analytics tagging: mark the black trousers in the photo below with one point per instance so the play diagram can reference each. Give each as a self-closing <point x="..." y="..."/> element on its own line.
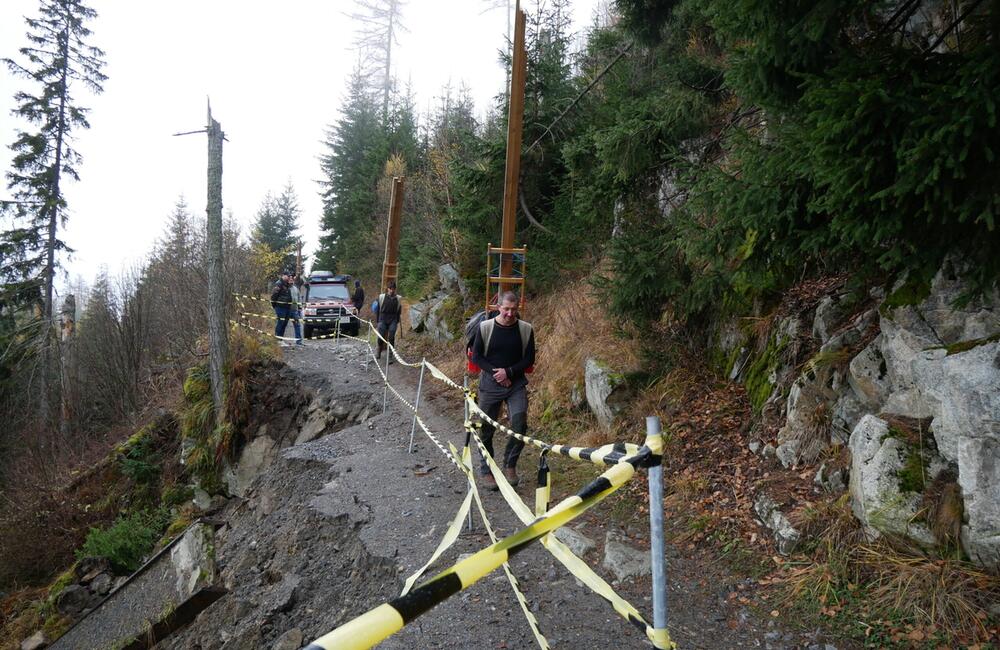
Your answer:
<point x="388" y="332"/>
<point x="491" y="397"/>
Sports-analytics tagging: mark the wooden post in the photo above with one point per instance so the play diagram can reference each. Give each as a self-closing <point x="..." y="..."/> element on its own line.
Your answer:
<point x="298" y="262"/>
<point x="515" y="121"/>
<point x="68" y="374"/>
<point x="218" y="342"/>
<point x="390" y="267"/>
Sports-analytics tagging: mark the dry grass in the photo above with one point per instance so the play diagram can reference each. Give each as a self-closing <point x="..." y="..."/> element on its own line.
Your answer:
<point x="886" y="584"/>
<point x="572" y="325"/>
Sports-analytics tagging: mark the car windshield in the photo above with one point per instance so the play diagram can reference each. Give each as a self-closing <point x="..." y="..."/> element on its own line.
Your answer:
<point x="327" y="292"/>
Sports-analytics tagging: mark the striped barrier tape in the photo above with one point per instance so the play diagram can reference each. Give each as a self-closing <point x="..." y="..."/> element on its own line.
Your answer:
<point x="450" y="536"/>
<point x="610" y="454"/>
<point x="392" y="348"/>
<point x="514" y="585"/>
<point x="312" y="319"/>
<point x="543" y="493"/>
<point x="283" y="338"/>
<point x="387" y="619"/>
<point x="651" y="451"/>
<point x="439" y="375"/>
<point x="267" y="300"/>
<point x="650" y="454"/>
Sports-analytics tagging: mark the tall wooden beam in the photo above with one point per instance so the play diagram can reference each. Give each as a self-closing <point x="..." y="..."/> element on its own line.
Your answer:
<point x="218" y="341"/>
<point x="390" y="267"/>
<point x="515" y="123"/>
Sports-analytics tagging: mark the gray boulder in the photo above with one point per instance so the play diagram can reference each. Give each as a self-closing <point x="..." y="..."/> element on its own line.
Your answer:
<point x="832" y="480"/>
<point x="786" y="537"/>
<point x="74" y="600"/>
<point x="829" y="314"/>
<point x="36" y="641"/>
<point x="577" y="542"/>
<point x="876" y="497"/>
<point x="254" y="458"/>
<point x="451" y="281"/>
<point x="914" y="368"/>
<point x="607" y="391"/>
<point x="435" y="323"/>
<point x="314" y="426"/>
<point x="624" y="560"/>
<point x="979" y="478"/>
<point x="290" y="640"/>
<point x="417" y="313"/>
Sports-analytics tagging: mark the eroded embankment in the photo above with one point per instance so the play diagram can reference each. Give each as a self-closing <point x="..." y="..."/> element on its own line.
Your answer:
<point x="331" y="528"/>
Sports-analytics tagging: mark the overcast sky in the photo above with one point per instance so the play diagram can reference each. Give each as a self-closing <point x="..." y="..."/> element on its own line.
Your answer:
<point x="276" y="74"/>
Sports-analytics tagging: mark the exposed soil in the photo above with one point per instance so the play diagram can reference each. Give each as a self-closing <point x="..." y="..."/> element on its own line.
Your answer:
<point x="334" y="527"/>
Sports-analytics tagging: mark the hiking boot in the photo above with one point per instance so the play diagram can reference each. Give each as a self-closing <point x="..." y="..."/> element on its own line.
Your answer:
<point x="490" y="483"/>
<point x="511" y="474"/>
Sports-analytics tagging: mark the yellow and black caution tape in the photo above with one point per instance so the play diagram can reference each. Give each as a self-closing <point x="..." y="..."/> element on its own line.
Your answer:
<point x="611" y="454"/>
<point x="544" y="490"/>
<point x="450" y="536"/>
<point x="267" y="300"/>
<point x="387" y="619"/>
<point x="282" y="338"/>
<point x="312" y="319"/>
<point x="650" y="453"/>
<point x="370" y="628"/>
<point x="514" y="585"/>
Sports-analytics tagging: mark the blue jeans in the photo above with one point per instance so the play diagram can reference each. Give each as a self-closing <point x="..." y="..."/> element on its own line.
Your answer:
<point x="284" y="313"/>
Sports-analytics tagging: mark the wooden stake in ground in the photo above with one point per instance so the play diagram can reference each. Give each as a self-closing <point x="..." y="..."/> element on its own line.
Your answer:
<point x="390" y="267"/>
<point x="218" y="342"/>
<point x="515" y="121"/>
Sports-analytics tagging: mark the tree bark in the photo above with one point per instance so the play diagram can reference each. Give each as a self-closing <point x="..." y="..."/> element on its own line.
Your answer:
<point x="218" y="343"/>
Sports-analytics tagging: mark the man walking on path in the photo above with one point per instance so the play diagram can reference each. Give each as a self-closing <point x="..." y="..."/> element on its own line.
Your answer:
<point x="504" y="348"/>
<point x="390" y="310"/>
<point x="281" y="301"/>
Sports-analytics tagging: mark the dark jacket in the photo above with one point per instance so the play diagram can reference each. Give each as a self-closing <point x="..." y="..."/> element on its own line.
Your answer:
<point x="358" y="299"/>
<point x="390" y="309"/>
<point x="281" y="294"/>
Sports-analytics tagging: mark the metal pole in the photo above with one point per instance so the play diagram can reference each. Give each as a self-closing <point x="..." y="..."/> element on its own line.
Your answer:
<point x="416" y="405"/>
<point x="465" y="384"/>
<point x="657" y="543"/>
<point x="385" y="391"/>
<point x="368" y="342"/>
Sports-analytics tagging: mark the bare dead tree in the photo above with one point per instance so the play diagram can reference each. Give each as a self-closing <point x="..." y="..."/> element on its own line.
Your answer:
<point x="380" y="25"/>
<point x="218" y="341"/>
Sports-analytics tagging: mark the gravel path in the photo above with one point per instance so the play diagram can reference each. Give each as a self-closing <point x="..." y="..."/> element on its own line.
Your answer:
<point x="334" y="527"/>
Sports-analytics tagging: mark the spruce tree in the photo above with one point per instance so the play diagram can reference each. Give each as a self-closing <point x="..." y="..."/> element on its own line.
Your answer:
<point x="351" y="170"/>
<point x="277" y="223"/>
<point x="57" y="60"/>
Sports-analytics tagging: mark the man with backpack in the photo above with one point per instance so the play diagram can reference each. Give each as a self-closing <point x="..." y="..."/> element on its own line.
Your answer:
<point x="504" y="350"/>
<point x="390" y="311"/>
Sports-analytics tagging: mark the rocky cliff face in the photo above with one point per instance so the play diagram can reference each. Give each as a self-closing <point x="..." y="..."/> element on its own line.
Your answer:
<point x="912" y="389"/>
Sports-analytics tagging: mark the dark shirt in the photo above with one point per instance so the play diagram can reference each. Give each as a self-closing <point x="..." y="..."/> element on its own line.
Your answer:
<point x="505" y="351"/>
<point x="358" y="298"/>
<point x="281" y="293"/>
<point x="390" y="310"/>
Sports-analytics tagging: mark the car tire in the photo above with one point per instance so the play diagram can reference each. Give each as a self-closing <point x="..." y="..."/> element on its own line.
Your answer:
<point x="307" y="331"/>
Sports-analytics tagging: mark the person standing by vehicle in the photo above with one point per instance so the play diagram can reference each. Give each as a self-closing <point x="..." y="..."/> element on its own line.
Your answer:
<point x="390" y="310"/>
<point x="504" y="350"/>
<point x="281" y="301"/>
<point x="358" y="297"/>
<point x="298" y="293"/>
